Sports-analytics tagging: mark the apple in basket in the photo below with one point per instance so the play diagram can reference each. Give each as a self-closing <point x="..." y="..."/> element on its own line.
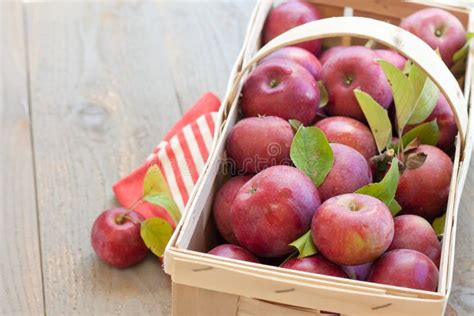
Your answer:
<point x="315" y="264"/>
<point x="300" y="56"/>
<point x="352" y="229"/>
<point x="287" y="16"/>
<point x="281" y="88"/>
<point x="350" y="132"/>
<point x="273" y="209"/>
<point x="407" y="268"/>
<point x="233" y="252"/>
<point x="223" y="202"/>
<point x="415" y="232"/>
<point x="439" y="29"/>
<point x="351" y="68"/>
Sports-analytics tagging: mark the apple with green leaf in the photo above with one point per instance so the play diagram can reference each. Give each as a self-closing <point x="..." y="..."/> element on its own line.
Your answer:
<point x="116" y="238"/>
<point x="349" y="132"/>
<point x="350" y="172"/>
<point x="273" y="209"/>
<point x="392" y="57"/>
<point x="354" y="68"/>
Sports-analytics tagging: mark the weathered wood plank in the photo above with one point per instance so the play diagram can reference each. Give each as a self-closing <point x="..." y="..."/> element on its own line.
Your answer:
<point x="462" y="294"/>
<point x="202" y="40"/>
<point x="21" y="291"/>
<point x="101" y="99"/>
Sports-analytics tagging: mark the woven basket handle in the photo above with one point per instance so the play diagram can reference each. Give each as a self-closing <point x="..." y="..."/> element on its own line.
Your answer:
<point x="390" y="35"/>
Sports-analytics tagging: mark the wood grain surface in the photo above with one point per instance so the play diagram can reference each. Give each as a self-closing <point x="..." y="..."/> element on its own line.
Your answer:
<point x="88" y="88"/>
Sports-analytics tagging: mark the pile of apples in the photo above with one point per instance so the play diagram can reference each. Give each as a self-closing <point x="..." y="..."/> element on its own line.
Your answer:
<point x="269" y="203"/>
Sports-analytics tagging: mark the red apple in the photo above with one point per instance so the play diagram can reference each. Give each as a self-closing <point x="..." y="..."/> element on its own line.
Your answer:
<point x="351" y="68"/>
<point x="349" y="172"/>
<point x="256" y="143"/>
<point x="352" y="229"/>
<point x="281" y="88"/>
<point x="414" y="232"/>
<point x="392" y="57"/>
<point x="116" y="238"/>
<point x="330" y="52"/>
<point x="233" y="252"/>
<point x="439" y="29"/>
<point x="274" y="209"/>
<point x="222" y="204"/>
<point x="287" y="16"/>
<point x="350" y="132"/>
<point x="360" y="272"/>
<point x="315" y="264"/>
<point x="446" y="122"/>
<point x="298" y="55"/>
<point x="424" y="191"/>
<point x="406" y="268"/>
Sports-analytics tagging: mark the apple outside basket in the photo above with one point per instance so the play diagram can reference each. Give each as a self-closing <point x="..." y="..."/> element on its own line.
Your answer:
<point x="208" y="285"/>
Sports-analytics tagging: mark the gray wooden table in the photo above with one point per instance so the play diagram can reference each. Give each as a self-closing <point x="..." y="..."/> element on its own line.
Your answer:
<point x="87" y="89"/>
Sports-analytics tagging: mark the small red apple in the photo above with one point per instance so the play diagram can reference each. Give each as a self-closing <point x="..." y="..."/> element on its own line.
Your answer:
<point x="274" y="209"/>
<point x="315" y="264"/>
<point x="349" y="172"/>
<point x="352" y="229"/>
<point x="414" y="232"/>
<point x="424" y="191"/>
<point x="300" y="56"/>
<point x="233" y="252"/>
<point x="439" y="29"/>
<point x="281" y="88"/>
<point x="360" y="272"/>
<point x="287" y="16"/>
<point x="406" y="268"/>
<point x="223" y="202"/>
<point x="330" y="52"/>
<point x="116" y="238"/>
<point x="354" y="67"/>
<point x="256" y="143"/>
<point x="350" y="132"/>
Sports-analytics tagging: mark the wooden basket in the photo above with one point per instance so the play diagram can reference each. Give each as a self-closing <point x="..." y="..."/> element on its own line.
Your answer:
<point x="210" y="285"/>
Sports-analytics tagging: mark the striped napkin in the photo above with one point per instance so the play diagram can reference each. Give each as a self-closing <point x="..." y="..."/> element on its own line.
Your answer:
<point x="181" y="157"/>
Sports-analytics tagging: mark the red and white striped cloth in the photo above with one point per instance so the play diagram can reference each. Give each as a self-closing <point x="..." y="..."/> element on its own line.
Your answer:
<point x="181" y="157"/>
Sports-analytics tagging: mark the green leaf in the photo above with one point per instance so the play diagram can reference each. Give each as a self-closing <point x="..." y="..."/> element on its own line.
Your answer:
<point x="295" y="124"/>
<point x="385" y="190"/>
<point x="463" y="51"/>
<point x="156" y="233"/>
<point x="323" y="95"/>
<point x="402" y="91"/>
<point x="394" y="207"/>
<point x="156" y="191"/>
<point x="154" y="182"/>
<point x="311" y="153"/>
<point x="427" y="133"/>
<point x="377" y="117"/>
<point x="426" y="94"/>
<point x="305" y="245"/>
<point x="165" y="201"/>
<point x="438" y="224"/>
